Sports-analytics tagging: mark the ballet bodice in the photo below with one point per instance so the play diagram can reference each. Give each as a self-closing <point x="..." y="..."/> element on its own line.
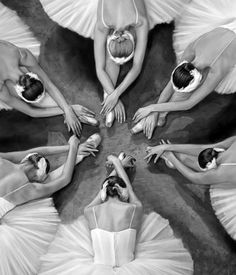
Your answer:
<point x="5" y="206"/>
<point x="13" y="182"/>
<point x="113" y="248"/>
<point x="215" y="48"/>
<point x="119" y="14"/>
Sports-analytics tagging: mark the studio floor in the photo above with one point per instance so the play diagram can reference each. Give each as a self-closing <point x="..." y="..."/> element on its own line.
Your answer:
<point x="68" y="60"/>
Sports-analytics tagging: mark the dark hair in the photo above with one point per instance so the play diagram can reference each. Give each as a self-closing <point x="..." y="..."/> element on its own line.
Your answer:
<point x="206" y="156"/>
<point x="33" y="88"/>
<point x="121" y="47"/>
<point x="112" y="180"/>
<point x="181" y="76"/>
<point x="34" y="159"/>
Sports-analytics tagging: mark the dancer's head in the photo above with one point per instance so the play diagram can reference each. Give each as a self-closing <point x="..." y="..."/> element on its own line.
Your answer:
<point x="30" y="88"/>
<point x="38" y="165"/>
<point x="114" y="186"/>
<point x="121" y="46"/>
<point x="185" y="78"/>
<point x="207" y="159"/>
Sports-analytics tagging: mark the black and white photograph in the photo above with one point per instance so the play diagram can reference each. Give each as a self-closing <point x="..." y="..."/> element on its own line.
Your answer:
<point x="118" y="137"/>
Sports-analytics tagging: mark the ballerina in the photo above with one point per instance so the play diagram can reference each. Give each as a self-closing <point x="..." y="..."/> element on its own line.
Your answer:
<point x="24" y="85"/>
<point x="114" y="237"/>
<point x="211" y="164"/>
<point x="205" y="44"/>
<point x="119" y="30"/>
<point x="28" y="219"/>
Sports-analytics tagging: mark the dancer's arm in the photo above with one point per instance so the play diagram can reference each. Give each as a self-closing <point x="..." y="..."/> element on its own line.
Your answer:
<point x="195" y="149"/>
<point x="122" y="174"/>
<point x="139" y="54"/>
<point x="43" y="190"/>
<point x="17" y="156"/>
<point x="100" y="39"/>
<point x="214" y="176"/>
<point x="25" y="108"/>
<point x="211" y="82"/>
<point x="29" y="61"/>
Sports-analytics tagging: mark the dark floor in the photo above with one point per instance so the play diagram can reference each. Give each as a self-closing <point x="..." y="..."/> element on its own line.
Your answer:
<point x="68" y="60"/>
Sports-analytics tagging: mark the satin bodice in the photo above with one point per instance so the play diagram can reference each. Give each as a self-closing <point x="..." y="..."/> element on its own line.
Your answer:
<point x="113" y="248"/>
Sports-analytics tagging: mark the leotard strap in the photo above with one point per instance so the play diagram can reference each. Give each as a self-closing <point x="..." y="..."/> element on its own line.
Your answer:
<point x="95" y="218"/>
<point x="131" y="221"/>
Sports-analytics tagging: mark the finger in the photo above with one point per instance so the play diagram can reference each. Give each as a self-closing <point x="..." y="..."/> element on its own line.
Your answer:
<point x="148" y="156"/>
<point x="168" y="141"/>
<point x="102" y="110"/>
<point x="156" y="158"/>
<point x="76" y="130"/>
<point x="149" y="159"/>
<point x="92" y="153"/>
<point x="135" y="115"/>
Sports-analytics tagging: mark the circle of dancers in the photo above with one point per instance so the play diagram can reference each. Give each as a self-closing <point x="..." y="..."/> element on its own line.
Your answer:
<point x="114" y="235"/>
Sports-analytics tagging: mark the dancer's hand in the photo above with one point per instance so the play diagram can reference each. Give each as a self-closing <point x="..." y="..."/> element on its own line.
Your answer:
<point x="143" y="112"/>
<point x="82" y="111"/>
<point x="120" y="112"/>
<point x="157" y="150"/>
<point x="87" y="149"/>
<point x="109" y="103"/>
<point x="72" y="122"/>
<point x="74" y="141"/>
<point x="150" y="124"/>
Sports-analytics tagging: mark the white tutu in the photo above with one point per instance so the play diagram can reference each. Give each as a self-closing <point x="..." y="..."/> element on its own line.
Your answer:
<point x="200" y="17"/>
<point x="15" y="31"/>
<point x="81" y="15"/>
<point x="25" y="234"/>
<point x="158" y="252"/>
<point x="224" y="204"/>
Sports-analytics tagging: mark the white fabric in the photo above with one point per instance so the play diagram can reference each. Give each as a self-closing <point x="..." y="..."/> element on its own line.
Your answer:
<point x="81" y="15"/>
<point x="203" y="16"/>
<point x="15" y="31"/>
<point x="117" y="249"/>
<point x="157" y="252"/>
<point x="25" y="233"/>
<point x="224" y="204"/>
<point x="5" y="206"/>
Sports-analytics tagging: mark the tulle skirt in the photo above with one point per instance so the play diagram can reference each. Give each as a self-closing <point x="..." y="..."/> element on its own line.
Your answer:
<point x="158" y="252"/>
<point x="25" y="234"/>
<point x="15" y="31"/>
<point x="200" y="17"/>
<point x="81" y="15"/>
<point x="224" y="204"/>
